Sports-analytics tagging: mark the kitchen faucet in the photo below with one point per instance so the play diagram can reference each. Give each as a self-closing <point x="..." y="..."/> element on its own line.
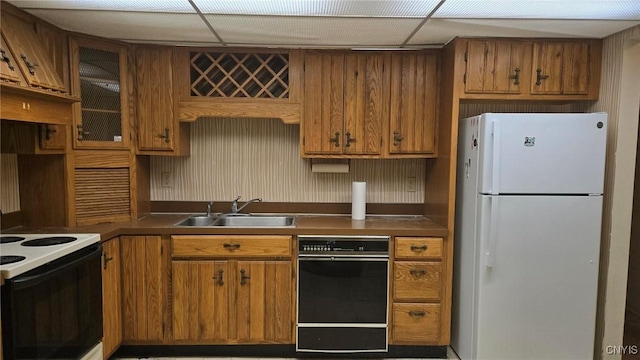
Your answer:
<point x="209" y="208"/>
<point x="234" y="204"/>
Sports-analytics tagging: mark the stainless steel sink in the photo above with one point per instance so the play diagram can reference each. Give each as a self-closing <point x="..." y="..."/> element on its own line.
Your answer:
<point x="256" y="221"/>
<point x="239" y="221"/>
<point x="197" y="220"/>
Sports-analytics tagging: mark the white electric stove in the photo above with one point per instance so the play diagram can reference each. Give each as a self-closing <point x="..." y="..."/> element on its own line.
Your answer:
<point x="20" y="253"/>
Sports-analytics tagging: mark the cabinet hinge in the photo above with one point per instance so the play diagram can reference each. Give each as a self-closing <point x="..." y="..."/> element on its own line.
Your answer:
<point x="466" y="56"/>
<point x="161" y="250"/>
<point x="303" y="140"/>
<point x="304" y="66"/>
<point x="464" y="78"/>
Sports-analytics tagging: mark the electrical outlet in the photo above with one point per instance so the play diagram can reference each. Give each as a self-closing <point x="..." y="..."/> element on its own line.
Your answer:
<point x="167" y="180"/>
<point x="411" y="184"/>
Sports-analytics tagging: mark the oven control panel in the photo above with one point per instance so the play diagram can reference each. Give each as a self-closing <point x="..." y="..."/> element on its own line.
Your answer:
<point x="343" y="245"/>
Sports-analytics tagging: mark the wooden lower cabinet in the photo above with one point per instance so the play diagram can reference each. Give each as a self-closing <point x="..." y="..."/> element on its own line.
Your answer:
<point x="111" y="297"/>
<point x="416" y="323"/>
<point x="143" y="283"/>
<point x="232" y="289"/>
<point x="418" y="292"/>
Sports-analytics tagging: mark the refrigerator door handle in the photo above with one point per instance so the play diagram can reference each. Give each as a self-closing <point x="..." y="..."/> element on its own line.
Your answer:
<point x="493" y="226"/>
<point x="495" y="171"/>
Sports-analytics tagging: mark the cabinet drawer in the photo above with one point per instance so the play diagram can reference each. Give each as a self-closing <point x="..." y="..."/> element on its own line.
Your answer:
<point x="418" y="281"/>
<point x="416" y="323"/>
<point x="418" y="247"/>
<point x="230" y="246"/>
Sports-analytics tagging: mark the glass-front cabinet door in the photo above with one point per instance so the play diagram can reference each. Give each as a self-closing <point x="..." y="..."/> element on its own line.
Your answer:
<point x="98" y="76"/>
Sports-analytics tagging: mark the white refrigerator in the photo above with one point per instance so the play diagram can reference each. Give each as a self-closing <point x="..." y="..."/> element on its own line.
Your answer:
<point x="527" y="235"/>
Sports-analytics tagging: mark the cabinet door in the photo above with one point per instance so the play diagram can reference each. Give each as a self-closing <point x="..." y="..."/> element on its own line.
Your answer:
<point x="52" y="137"/>
<point x="575" y="68"/>
<point x="366" y="108"/>
<point x="414" y="103"/>
<point x="264" y="302"/>
<point x="201" y="299"/>
<point x="493" y="67"/>
<point x="99" y="76"/>
<point x="111" y="297"/>
<point x="30" y="55"/>
<point x="418" y="281"/>
<point x="155" y="99"/>
<point x="323" y="104"/>
<point x="416" y="323"/>
<point x="546" y="76"/>
<point x="9" y="70"/>
<point x="142" y="284"/>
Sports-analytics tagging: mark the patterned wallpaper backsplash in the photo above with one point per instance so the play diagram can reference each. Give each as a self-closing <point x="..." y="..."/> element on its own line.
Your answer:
<point x="9" y="183"/>
<point x="261" y="158"/>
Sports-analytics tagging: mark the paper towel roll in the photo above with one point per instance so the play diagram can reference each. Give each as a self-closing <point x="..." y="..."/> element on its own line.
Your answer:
<point x="358" y="200"/>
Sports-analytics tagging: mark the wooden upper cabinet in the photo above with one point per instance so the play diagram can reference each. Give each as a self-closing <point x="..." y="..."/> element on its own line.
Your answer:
<point x="561" y="68"/>
<point x="99" y="75"/>
<point x="529" y="69"/>
<point x="29" y="54"/>
<point x="414" y="103"/>
<point x="494" y="67"/>
<point x="261" y="83"/>
<point x="346" y="103"/>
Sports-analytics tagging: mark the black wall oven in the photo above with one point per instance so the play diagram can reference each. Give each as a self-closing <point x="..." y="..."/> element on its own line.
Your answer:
<point x="55" y="310"/>
<point x="342" y="294"/>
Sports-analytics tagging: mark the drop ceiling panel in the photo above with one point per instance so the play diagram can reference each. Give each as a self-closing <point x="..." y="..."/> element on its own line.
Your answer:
<point x="541" y="9"/>
<point x="347" y="8"/>
<point x="130" y="26"/>
<point x="308" y="31"/>
<point x="443" y="30"/>
<point x="181" y="6"/>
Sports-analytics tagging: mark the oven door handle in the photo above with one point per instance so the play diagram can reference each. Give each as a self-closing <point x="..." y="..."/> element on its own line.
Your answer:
<point x="50" y="270"/>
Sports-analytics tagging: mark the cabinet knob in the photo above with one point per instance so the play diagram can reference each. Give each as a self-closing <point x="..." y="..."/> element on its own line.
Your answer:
<point x="219" y="277"/>
<point x="540" y="77"/>
<point x="243" y="277"/>
<point x="335" y="139"/>
<point x="397" y="138"/>
<point x="349" y="140"/>
<point x="516" y="76"/>
<point x="165" y="135"/>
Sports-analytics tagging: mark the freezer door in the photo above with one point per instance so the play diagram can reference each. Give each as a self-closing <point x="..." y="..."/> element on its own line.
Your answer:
<point x="542" y="153"/>
<point x="537" y="277"/>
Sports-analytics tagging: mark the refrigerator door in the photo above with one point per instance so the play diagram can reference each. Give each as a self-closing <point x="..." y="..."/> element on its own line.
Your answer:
<point x="537" y="277"/>
<point x="542" y="153"/>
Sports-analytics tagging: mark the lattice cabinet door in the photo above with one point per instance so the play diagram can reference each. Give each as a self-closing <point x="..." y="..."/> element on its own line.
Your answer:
<point x="99" y="76"/>
<point x="238" y="75"/>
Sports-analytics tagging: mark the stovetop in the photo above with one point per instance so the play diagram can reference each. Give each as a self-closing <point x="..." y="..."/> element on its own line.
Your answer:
<point x="38" y="249"/>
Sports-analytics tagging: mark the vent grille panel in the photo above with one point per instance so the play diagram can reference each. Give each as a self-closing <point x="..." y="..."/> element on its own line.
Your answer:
<point x="102" y="195"/>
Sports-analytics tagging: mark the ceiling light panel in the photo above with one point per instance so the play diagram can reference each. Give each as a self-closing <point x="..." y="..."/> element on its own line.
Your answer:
<point x="131" y="26"/>
<point x="444" y="30"/>
<point x="346" y="8"/>
<point x="179" y="6"/>
<point x="311" y="31"/>
<point x="541" y="9"/>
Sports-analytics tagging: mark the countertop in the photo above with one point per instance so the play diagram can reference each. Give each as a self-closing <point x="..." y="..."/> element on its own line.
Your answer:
<point x="306" y="224"/>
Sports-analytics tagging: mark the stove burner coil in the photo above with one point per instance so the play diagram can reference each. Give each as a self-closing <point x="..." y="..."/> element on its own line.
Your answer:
<point x="10" y="259"/>
<point x="47" y="241"/>
<point x="10" y="239"/>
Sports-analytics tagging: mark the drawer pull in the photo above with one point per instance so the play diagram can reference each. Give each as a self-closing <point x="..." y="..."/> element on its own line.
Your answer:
<point x="415" y="313"/>
<point x="416" y="272"/>
<point x="243" y="277"/>
<point x="219" y="277"/>
<point x="234" y="246"/>
<point x="417" y="248"/>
